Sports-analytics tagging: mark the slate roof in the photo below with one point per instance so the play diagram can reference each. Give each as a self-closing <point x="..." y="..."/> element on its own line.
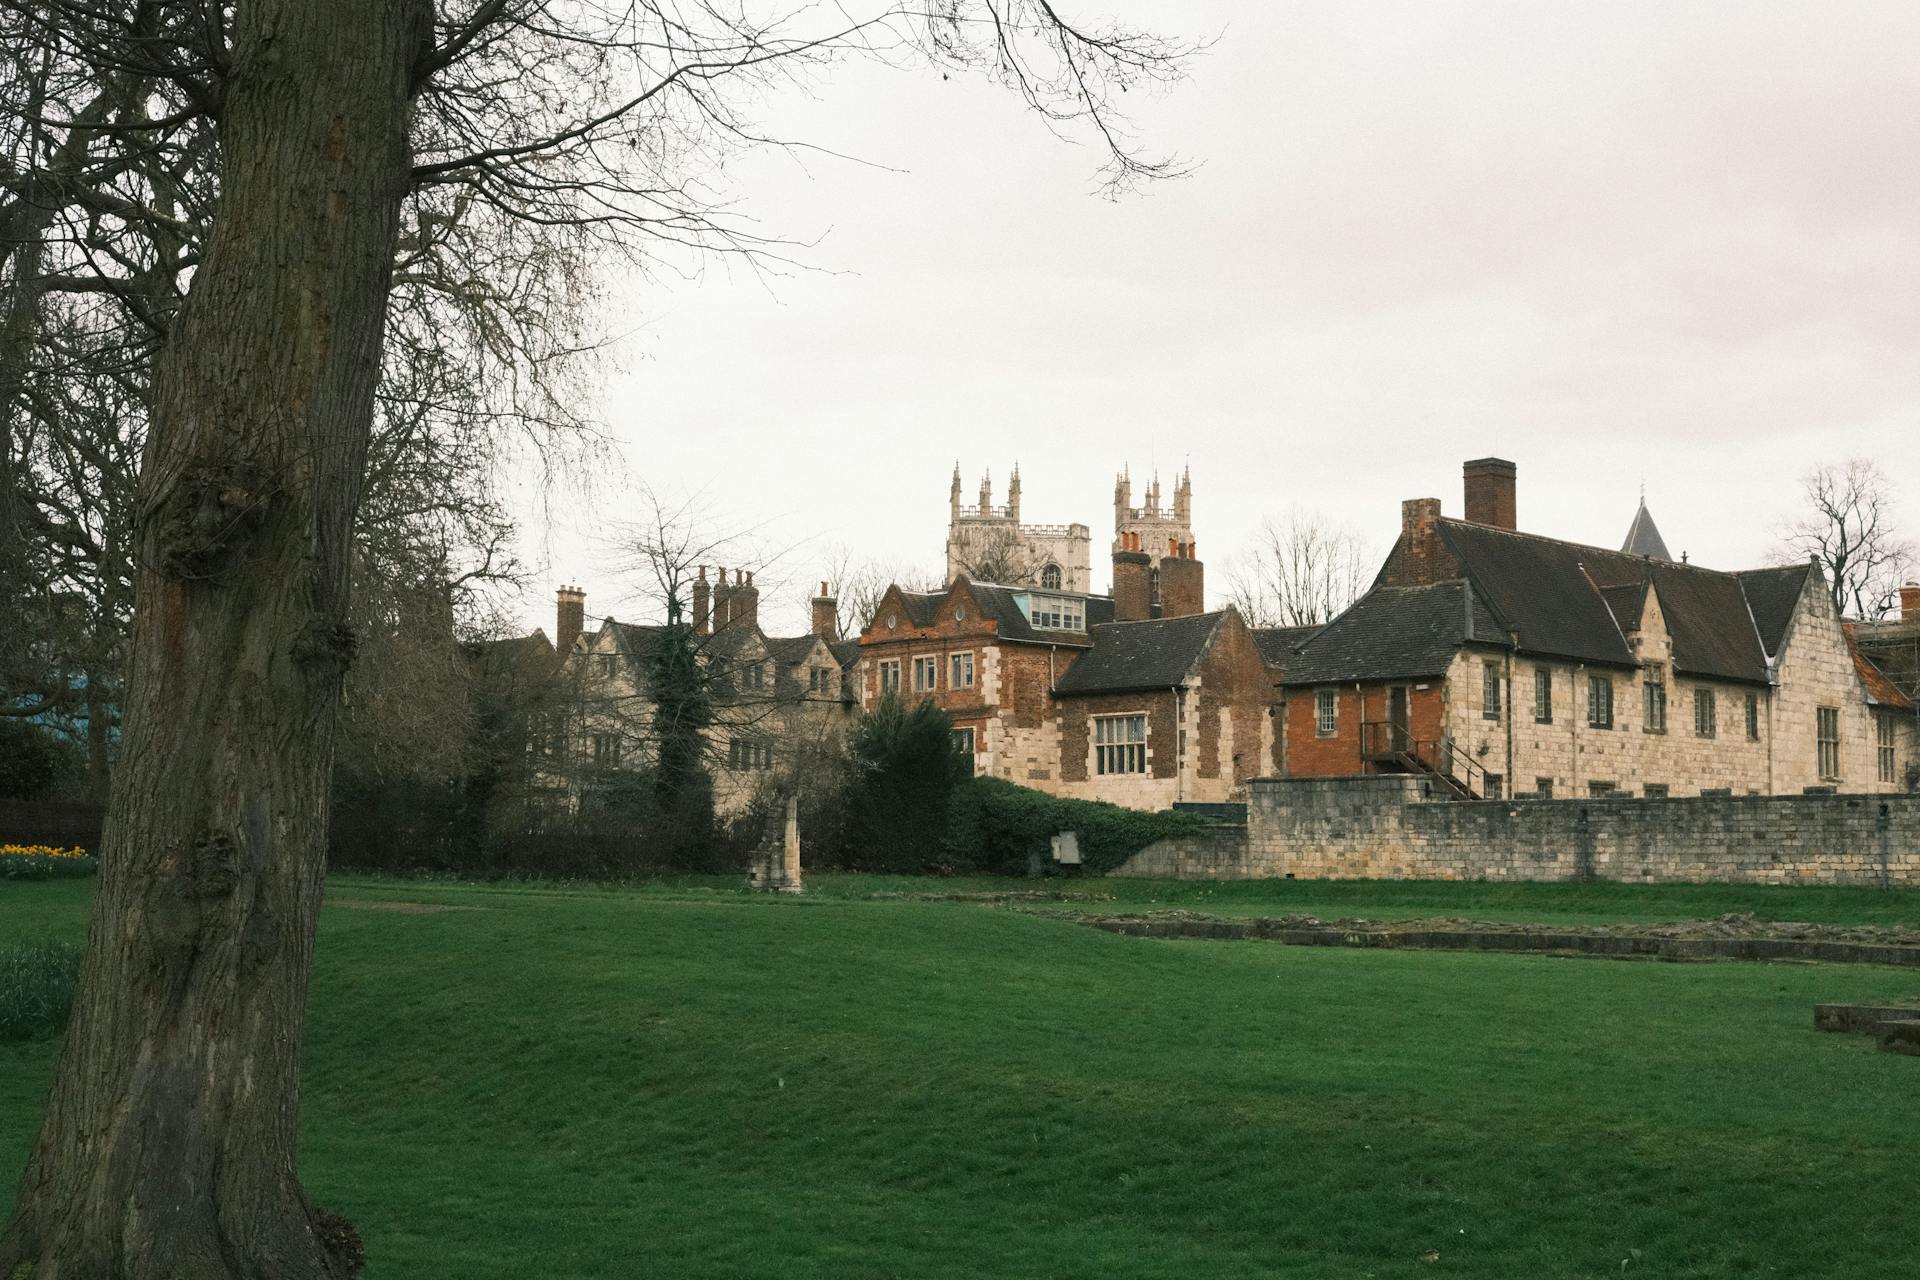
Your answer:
<point x="1554" y="595"/>
<point x="1626" y="604"/>
<point x="1276" y="644"/>
<point x="1773" y="595"/>
<point x="789" y="650"/>
<point x="846" y="652"/>
<point x="999" y="603"/>
<point x="514" y="661"/>
<point x="1393" y="632"/>
<point x="1643" y="537"/>
<point x="1130" y="656"/>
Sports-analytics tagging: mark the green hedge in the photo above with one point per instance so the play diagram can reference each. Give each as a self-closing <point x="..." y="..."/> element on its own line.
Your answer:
<point x="997" y="828"/>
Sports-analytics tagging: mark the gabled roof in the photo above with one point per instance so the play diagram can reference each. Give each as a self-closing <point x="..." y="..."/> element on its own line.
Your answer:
<point x="790" y="650"/>
<point x="1392" y="632"/>
<point x="1773" y="595"/>
<point x="1553" y="594"/>
<point x="1131" y="656"/>
<point x="513" y="659"/>
<point x="1277" y="644"/>
<point x="1627" y="604"/>
<point x="1880" y="690"/>
<point x="846" y="652"/>
<point x="1643" y="538"/>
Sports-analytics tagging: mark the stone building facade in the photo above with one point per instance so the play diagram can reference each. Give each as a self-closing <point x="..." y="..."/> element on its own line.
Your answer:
<point x="990" y="543"/>
<point x="776" y="701"/>
<point x="1505" y="663"/>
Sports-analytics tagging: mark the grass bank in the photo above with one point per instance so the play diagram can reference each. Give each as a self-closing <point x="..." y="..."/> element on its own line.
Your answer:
<point x="686" y="1081"/>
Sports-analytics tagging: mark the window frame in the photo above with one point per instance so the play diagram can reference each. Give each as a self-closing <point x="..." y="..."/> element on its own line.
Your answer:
<point x="1490" y="689"/>
<point x="930" y="663"/>
<point x="1827" y="747"/>
<point x="972" y="745"/>
<point x="1883" y="752"/>
<point x="954" y="669"/>
<point x="1706" y="713"/>
<point x="1753" y="717"/>
<point x="885" y="668"/>
<point x="1597" y="681"/>
<point x="1326" y="713"/>
<point x="1542" y="694"/>
<point x="1653" y="701"/>
<point x="1117" y="751"/>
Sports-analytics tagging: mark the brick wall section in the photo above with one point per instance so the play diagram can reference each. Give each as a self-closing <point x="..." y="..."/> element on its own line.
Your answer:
<point x="1385" y="828"/>
<point x="1419" y="558"/>
<point x="1308" y="754"/>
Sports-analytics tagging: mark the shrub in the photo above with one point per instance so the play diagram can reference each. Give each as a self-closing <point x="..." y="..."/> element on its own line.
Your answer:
<point x="36" y="763"/>
<point x="904" y="773"/>
<point x="37" y="981"/>
<point x="997" y="828"/>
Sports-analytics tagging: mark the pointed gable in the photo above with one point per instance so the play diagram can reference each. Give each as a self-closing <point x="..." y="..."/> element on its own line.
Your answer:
<point x="1643" y="537"/>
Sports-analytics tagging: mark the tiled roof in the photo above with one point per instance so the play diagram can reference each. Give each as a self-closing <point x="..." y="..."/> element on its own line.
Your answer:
<point x="1880" y="690"/>
<point x="846" y="652"/>
<point x="1553" y="594"/>
<point x="1393" y="632"/>
<point x="1128" y="656"/>
<point x="1276" y="644"/>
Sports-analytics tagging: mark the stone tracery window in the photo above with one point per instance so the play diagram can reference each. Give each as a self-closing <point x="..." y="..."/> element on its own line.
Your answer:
<point x="1050" y="577"/>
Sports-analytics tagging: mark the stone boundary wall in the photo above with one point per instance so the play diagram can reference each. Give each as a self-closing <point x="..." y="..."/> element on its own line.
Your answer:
<point x="1386" y="827"/>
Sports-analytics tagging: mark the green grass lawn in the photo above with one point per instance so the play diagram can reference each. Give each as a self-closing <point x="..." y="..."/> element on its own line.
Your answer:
<point x="685" y="1081"/>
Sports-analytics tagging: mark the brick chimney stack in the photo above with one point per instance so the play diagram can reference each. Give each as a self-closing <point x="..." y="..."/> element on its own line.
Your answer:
<point x="1490" y="486"/>
<point x="702" y="604"/>
<point x="744" y="608"/>
<point x="570" y="617"/>
<point x="1132" y="586"/>
<point x="1420" y="558"/>
<point x="1910" y="602"/>
<point x="1183" y="583"/>
<point x="826" y="615"/>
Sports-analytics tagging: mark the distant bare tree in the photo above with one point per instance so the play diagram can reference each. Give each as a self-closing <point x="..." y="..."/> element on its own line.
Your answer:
<point x="1848" y="528"/>
<point x="999" y="555"/>
<point x="858" y="582"/>
<point x="1301" y="572"/>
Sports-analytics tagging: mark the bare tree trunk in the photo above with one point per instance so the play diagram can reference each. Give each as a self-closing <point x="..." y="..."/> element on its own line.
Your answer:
<point x="168" y="1144"/>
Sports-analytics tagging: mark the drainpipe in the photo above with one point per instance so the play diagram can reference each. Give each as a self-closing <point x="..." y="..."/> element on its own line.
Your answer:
<point x="1573" y="701"/>
<point x="1179" y="743"/>
<point x="1513" y="639"/>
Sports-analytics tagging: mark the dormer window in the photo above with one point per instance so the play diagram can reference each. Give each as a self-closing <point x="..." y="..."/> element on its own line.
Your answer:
<point x="1056" y="613"/>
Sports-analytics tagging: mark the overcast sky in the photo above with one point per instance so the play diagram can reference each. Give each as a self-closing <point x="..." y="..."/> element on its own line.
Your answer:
<point x="1668" y="243"/>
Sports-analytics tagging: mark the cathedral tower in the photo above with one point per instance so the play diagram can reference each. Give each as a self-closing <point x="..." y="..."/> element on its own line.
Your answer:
<point x="993" y="544"/>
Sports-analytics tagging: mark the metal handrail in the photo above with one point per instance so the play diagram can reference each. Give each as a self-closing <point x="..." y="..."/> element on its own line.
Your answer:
<point x="1386" y="740"/>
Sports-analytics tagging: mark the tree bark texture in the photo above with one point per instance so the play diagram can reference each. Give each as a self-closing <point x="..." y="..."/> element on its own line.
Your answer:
<point x="168" y="1145"/>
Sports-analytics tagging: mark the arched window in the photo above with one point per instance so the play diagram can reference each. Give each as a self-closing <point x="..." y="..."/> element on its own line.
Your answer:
<point x="1050" y="577"/>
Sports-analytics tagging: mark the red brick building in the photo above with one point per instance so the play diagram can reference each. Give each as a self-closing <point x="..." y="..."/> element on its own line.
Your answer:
<point x="1125" y="698"/>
